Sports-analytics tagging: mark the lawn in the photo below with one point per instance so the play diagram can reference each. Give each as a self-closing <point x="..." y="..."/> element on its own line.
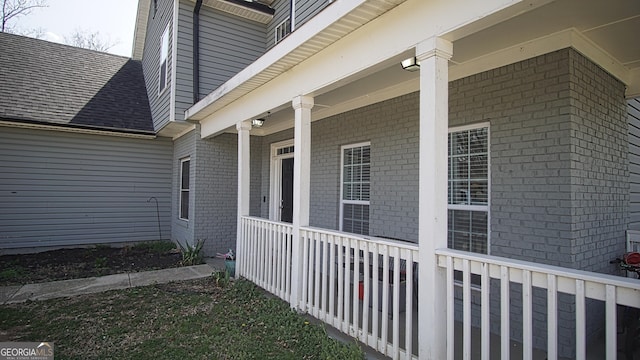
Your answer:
<point x="195" y="319"/>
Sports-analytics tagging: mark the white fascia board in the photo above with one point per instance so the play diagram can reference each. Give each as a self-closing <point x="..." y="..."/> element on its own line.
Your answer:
<point x="140" y="32"/>
<point x="388" y="35"/>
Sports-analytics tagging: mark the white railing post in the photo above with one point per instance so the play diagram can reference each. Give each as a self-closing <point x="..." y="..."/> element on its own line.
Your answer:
<point x="244" y="159"/>
<point x="433" y="55"/>
<point x="301" y="189"/>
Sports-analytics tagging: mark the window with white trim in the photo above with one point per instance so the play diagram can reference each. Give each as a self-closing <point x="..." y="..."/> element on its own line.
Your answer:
<point x="468" y="189"/>
<point x="283" y="29"/>
<point x="185" y="165"/>
<point x="164" y="66"/>
<point x="355" y="188"/>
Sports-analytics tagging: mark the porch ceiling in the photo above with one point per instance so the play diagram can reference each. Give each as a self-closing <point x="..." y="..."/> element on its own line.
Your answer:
<point x="604" y="31"/>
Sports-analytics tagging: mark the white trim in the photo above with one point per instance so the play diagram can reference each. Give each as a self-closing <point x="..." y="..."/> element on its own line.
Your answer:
<point x="14" y="124"/>
<point x="164" y="50"/>
<point x="292" y="15"/>
<point x="276" y="177"/>
<point x="181" y="190"/>
<point x="480" y="208"/>
<point x="174" y="59"/>
<point x="342" y="202"/>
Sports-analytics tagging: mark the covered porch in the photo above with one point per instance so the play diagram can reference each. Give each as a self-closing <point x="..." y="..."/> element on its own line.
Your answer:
<point x="340" y="74"/>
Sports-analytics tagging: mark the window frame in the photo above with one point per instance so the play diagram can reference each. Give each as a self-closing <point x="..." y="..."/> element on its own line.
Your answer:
<point x="183" y="190"/>
<point x="353" y="202"/>
<point x="472" y="207"/>
<point x="164" y="61"/>
<point x="288" y="30"/>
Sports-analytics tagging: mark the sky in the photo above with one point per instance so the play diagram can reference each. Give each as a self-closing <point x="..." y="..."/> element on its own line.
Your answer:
<point x="113" y="19"/>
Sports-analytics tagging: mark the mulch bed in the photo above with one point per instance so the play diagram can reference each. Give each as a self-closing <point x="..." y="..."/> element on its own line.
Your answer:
<point x="81" y="263"/>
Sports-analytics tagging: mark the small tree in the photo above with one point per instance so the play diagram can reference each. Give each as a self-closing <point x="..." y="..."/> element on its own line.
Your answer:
<point x="12" y="9"/>
<point x="89" y="40"/>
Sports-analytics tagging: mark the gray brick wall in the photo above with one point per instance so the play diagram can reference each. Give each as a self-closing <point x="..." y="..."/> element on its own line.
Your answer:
<point x="392" y="128"/>
<point x="559" y="191"/>
<point x="600" y="166"/>
<point x="214" y="189"/>
<point x="215" y="183"/>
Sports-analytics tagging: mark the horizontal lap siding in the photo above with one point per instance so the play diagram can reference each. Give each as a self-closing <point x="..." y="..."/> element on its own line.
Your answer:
<point x="159" y="103"/>
<point x="307" y="9"/>
<point x="634" y="163"/>
<point x="228" y="44"/>
<point x="64" y="189"/>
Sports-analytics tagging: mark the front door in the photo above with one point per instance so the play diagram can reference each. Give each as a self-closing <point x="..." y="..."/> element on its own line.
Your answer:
<point x="286" y="191"/>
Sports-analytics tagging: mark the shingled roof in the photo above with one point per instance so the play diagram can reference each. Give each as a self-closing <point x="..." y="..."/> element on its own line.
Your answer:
<point x="48" y="83"/>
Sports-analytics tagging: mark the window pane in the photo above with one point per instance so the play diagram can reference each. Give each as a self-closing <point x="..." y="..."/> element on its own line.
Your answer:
<point x="355" y="219"/>
<point x="467" y="230"/>
<point x="185" y="175"/>
<point x="184" y="204"/>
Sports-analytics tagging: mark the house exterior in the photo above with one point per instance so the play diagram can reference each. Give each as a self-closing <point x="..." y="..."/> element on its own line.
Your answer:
<point x="522" y="107"/>
<point x="80" y="163"/>
<point x="505" y="155"/>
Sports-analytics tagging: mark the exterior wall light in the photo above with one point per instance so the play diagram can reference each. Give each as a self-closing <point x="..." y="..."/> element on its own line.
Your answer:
<point x="260" y="121"/>
<point x="411" y="64"/>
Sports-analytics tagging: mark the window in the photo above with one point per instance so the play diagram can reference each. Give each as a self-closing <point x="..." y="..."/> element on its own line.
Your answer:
<point x="185" y="165"/>
<point x="283" y="29"/>
<point x="468" y="189"/>
<point x="164" y="54"/>
<point x="356" y="188"/>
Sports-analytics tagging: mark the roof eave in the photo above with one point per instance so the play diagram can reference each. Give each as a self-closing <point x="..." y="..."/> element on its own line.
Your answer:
<point x="140" y="32"/>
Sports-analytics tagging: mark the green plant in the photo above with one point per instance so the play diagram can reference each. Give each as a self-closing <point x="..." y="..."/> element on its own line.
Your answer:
<point x="12" y="273"/>
<point x="191" y="254"/>
<point x="100" y="262"/>
<point x="221" y="278"/>
<point x="159" y="247"/>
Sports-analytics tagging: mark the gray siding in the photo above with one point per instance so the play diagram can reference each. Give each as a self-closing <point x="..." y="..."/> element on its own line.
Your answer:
<point x="65" y="189"/>
<point x="282" y="11"/>
<point x="159" y="103"/>
<point x="228" y="44"/>
<point x="306" y="9"/>
<point x="183" y="230"/>
<point x="634" y="163"/>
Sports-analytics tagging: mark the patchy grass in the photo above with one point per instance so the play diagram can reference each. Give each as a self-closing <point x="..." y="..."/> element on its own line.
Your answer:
<point x="190" y="320"/>
<point x="158" y="247"/>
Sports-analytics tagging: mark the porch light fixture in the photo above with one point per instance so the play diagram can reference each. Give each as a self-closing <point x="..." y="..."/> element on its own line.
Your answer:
<point x="411" y="64"/>
<point x="260" y="121"/>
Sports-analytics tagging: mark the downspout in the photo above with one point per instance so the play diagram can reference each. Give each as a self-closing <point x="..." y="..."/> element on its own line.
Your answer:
<point x="196" y="51"/>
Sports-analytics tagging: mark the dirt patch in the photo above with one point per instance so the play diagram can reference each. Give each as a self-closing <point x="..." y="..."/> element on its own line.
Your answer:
<point x="85" y="262"/>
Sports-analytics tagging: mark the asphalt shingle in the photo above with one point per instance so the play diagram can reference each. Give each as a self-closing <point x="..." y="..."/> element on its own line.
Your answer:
<point x="44" y="82"/>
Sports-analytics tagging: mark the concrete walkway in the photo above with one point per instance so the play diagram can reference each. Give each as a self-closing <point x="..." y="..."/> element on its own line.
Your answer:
<point x="64" y="288"/>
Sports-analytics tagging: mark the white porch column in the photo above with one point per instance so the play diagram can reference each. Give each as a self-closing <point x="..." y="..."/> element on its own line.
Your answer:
<point x="433" y="55"/>
<point x="301" y="188"/>
<point x="244" y="180"/>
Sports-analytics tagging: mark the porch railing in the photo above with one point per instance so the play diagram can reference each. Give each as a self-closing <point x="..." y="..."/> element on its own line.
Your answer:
<point x="366" y="288"/>
<point x="581" y="286"/>
<point x="363" y="287"/>
<point x="264" y="255"/>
